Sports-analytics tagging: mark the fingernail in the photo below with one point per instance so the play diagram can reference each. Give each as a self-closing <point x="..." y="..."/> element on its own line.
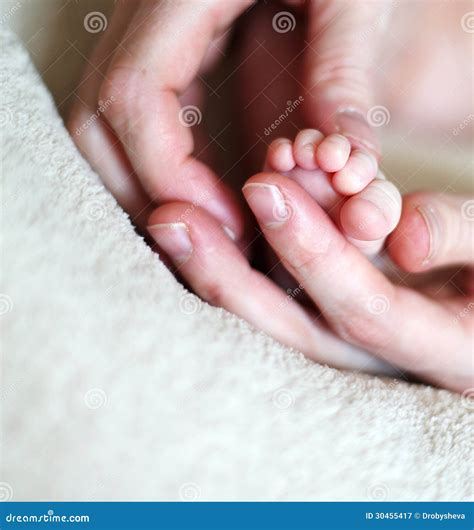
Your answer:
<point x="267" y="203"/>
<point x="353" y="124"/>
<point x="174" y="239"/>
<point x="218" y="210"/>
<point x="434" y="229"/>
<point x="229" y="232"/>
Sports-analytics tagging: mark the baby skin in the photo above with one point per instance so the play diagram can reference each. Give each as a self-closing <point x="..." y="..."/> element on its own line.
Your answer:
<point x="345" y="181"/>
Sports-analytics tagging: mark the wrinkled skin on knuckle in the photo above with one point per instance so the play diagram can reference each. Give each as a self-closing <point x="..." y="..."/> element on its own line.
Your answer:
<point x="302" y="262"/>
<point x="307" y="252"/>
<point x="367" y="331"/>
<point x="333" y="72"/>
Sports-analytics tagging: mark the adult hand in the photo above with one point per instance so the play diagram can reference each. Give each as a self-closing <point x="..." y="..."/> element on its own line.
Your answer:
<point x="148" y="63"/>
<point x="432" y="338"/>
<point x="425" y="331"/>
<point x="146" y="66"/>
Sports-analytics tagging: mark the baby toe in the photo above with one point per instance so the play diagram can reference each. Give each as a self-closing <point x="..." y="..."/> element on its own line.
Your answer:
<point x="333" y="152"/>
<point x="373" y="213"/>
<point x="360" y="170"/>
<point x="280" y="156"/>
<point x="362" y="219"/>
<point x="304" y="148"/>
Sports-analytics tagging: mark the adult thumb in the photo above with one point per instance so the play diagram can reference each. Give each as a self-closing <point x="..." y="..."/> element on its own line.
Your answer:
<point x="339" y="63"/>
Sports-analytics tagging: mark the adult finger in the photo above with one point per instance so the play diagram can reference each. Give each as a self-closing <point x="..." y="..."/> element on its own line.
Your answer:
<point x="434" y="230"/>
<point x="217" y="272"/>
<point x="339" y="58"/>
<point x="357" y="300"/>
<point x="94" y="136"/>
<point x="90" y="131"/>
<point x="152" y="66"/>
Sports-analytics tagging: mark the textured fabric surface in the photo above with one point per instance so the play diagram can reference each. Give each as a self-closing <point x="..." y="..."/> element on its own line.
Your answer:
<point x="118" y="384"/>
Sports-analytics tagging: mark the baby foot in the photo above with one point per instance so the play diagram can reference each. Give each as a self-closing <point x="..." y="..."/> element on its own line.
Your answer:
<point x="344" y="181"/>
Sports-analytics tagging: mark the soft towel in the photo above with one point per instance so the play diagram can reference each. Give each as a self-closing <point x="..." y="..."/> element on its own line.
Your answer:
<point x="119" y="384"/>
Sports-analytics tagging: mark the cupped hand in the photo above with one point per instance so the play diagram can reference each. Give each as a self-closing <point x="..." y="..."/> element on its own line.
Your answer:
<point x="143" y="88"/>
<point x="429" y="337"/>
<point x="426" y="331"/>
<point x="143" y="82"/>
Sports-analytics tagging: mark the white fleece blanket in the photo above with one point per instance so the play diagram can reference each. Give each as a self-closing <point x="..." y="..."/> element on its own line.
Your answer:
<point x="118" y="384"/>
